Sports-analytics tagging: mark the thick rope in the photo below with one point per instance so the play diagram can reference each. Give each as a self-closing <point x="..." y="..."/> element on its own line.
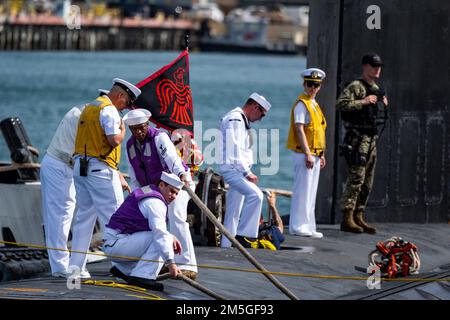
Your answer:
<point x="287" y="274"/>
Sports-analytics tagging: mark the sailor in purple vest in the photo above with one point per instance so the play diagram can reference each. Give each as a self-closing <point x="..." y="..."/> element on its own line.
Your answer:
<point x="150" y="152"/>
<point x="138" y="229"/>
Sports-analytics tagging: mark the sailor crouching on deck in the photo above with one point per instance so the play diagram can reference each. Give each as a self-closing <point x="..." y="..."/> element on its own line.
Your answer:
<point x="138" y="229"/>
<point x="150" y="152"/>
<point x="98" y="182"/>
<point x="244" y="198"/>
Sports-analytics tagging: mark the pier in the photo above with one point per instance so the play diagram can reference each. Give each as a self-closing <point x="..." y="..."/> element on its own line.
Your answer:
<point x="51" y="33"/>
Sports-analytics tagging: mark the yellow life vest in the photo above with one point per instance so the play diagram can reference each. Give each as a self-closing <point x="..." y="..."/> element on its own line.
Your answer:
<point x="91" y="137"/>
<point x="314" y="130"/>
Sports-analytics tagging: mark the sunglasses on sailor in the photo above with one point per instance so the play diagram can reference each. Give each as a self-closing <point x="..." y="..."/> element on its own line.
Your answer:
<point x="311" y="84"/>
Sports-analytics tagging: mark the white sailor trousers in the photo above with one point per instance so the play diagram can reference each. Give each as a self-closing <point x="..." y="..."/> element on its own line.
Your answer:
<point x="98" y="195"/>
<point x="303" y="202"/>
<point x="58" y="206"/>
<point x="243" y="206"/>
<point x="139" y="246"/>
<point x="179" y="227"/>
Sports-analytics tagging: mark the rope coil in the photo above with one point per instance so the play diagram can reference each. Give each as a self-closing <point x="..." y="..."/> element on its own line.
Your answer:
<point x="395" y="257"/>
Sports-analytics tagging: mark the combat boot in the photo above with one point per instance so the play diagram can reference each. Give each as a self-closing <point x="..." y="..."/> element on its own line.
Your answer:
<point x="359" y="220"/>
<point x="349" y="225"/>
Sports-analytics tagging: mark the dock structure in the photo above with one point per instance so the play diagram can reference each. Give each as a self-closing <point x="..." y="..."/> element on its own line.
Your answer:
<point x="44" y="33"/>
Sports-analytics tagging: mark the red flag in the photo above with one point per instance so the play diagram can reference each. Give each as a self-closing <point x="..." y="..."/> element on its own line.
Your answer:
<point x="167" y="95"/>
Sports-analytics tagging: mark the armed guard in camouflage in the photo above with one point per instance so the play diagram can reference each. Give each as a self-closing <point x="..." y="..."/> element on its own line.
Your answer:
<point x="363" y="106"/>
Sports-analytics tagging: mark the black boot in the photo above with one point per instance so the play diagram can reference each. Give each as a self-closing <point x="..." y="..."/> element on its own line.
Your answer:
<point x="246" y="242"/>
<point x="118" y="274"/>
<point x="145" y="283"/>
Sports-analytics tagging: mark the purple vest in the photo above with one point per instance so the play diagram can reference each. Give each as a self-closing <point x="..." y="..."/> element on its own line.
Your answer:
<point x="146" y="163"/>
<point x="128" y="218"/>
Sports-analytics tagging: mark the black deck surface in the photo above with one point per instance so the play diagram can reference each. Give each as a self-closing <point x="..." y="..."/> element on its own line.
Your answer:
<point x="337" y="254"/>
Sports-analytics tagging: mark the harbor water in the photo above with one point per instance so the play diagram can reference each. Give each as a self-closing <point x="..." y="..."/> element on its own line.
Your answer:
<point x="40" y="87"/>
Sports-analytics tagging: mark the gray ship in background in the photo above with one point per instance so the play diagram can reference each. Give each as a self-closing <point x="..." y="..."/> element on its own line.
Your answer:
<point x="410" y="199"/>
<point x="256" y="29"/>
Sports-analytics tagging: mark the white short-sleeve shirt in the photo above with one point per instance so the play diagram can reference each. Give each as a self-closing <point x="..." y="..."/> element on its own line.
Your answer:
<point x="301" y="114"/>
<point x="110" y="120"/>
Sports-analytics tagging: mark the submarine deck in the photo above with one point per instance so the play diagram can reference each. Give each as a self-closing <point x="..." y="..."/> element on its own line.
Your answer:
<point x="337" y="254"/>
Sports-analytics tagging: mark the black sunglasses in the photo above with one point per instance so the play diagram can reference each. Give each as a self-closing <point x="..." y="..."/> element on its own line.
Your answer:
<point x="312" y="84"/>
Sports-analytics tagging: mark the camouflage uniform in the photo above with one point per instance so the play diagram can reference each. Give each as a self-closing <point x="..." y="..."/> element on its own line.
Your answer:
<point x="361" y="164"/>
<point x="360" y="177"/>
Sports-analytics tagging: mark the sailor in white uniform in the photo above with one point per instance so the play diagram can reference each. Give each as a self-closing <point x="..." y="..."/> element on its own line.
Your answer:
<point x="306" y="140"/>
<point x="244" y="198"/>
<point x="138" y="229"/>
<point x="98" y="182"/>
<point x="150" y="151"/>
<point x="58" y="190"/>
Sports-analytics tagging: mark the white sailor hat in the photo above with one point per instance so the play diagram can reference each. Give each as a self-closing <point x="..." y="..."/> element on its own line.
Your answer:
<point x="137" y="116"/>
<point x="313" y="74"/>
<point x="260" y="100"/>
<point x="132" y="90"/>
<point x="102" y="92"/>
<point x="172" y="179"/>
